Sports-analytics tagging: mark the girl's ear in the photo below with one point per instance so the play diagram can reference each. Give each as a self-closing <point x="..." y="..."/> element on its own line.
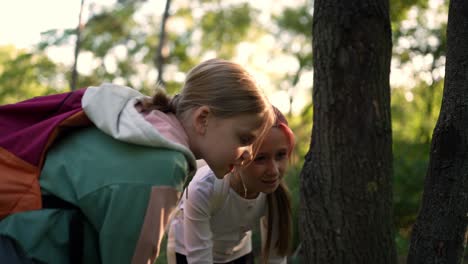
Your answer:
<point x="201" y="116"/>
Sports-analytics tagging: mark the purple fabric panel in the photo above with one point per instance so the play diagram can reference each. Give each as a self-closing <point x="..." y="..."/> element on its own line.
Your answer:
<point x="25" y="127"/>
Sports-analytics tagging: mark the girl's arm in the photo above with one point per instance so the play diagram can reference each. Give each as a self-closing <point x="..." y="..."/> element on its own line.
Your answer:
<point x="130" y="219"/>
<point x="197" y="230"/>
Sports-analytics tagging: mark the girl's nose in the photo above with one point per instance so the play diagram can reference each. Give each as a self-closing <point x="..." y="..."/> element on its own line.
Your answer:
<point x="273" y="168"/>
<point x="246" y="155"/>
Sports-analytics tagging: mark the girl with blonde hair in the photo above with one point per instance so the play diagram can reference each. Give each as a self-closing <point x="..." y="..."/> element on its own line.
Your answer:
<point x="120" y="174"/>
<point x="214" y="223"/>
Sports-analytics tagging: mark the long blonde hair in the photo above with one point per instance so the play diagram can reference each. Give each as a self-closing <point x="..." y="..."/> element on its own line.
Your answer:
<point x="224" y="86"/>
<point x="280" y="201"/>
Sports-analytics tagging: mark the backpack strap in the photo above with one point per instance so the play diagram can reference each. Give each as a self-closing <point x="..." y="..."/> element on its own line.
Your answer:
<point x="220" y="192"/>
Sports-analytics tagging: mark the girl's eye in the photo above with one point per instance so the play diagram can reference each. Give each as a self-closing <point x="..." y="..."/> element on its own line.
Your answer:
<point x="282" y="155"/>
<point x="246" y="140"/>
<point x="260" y="158"/>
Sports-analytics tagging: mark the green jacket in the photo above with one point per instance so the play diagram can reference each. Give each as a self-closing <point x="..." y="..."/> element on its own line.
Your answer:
<point x="124" y="190"/>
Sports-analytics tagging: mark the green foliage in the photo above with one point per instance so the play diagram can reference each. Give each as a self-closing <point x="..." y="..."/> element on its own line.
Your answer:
<point x="108" y="29"/>
<point x="55" y="37"/>
<point x="399" y="9"/>
<point x="24" y="75"/>
<point x="413" y="120"/>
<point x="295" y="37"/>
<point x="410" y="166"/>
<point x="415" y="109"/>
<point x="103" y="33"/>
<point x="301" y="126"/>
<point x="293" y="182"/>
<point x="296" y="20"/>
<point x="179" y="45"/>
<point x="420" y="38"/>
<point x="225" y="27"/>
<point x="412" y="124"/>
<point x="222" y="28"/>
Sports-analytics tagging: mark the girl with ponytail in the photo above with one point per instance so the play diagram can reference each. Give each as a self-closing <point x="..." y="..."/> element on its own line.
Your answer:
<point x="205" y="230"/>
<point x="117" y="169"/>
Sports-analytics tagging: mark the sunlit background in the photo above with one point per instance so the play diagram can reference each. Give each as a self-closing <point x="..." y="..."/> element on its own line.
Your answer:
<point x="271" y="38"/>
<point x="261" y="54"/>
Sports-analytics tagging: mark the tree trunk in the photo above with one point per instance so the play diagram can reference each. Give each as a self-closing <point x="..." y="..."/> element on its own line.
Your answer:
<point x="79" y="28"/>
<point x="438" y="234"/>
<point x="346" y="193"/>
<point x="159" y="56"/>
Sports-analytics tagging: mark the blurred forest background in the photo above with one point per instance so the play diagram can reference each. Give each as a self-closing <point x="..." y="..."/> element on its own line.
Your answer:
<point x="123" y="43"/>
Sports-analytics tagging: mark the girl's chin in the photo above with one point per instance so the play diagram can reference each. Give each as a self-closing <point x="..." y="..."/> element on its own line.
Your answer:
<point x="220" y="174"/>
<point x="269" y="190"/>
<point x="270" y="187"/>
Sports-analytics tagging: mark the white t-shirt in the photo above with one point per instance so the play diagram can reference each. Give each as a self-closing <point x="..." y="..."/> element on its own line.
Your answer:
<point x="222" y="236"/>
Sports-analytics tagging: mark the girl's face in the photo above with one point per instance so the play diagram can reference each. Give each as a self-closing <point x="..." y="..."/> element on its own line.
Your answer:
<point x="264" y="173"/>
<point x="227" y="142"/>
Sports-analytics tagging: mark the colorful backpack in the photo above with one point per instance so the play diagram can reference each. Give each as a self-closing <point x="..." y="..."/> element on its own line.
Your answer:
<point x="27" y="130"/>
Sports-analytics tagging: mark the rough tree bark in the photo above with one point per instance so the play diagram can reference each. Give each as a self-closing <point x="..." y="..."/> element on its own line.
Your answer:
<point x="439" y="232"/>
<point x="346" y="193"/>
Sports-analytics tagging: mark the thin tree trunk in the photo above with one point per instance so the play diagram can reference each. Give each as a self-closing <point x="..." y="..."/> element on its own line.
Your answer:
<point x="297" y="75"/>
<point x="159" y="56"/>
<point x="79" y="28"/>
<point x="439" y="232"/>
<point x="346" y="193"/>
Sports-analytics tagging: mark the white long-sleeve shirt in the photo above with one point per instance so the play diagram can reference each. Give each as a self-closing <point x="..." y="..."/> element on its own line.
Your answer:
<point x="219" y="236"/>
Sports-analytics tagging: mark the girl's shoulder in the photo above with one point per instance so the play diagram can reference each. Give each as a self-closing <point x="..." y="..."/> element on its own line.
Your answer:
<point x="206" y="185"/>
<point x="202" y="183"/>
<point x="204" y="175"/>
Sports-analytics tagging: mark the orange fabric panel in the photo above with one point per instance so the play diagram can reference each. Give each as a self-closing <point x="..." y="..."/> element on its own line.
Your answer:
<point x="19" y="183"/>
<point x="19" y="186"/>
<point x="77" y="120"/>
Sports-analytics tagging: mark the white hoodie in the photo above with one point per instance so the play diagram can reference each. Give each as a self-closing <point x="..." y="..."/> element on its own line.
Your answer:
<point x="112" y="109"/>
